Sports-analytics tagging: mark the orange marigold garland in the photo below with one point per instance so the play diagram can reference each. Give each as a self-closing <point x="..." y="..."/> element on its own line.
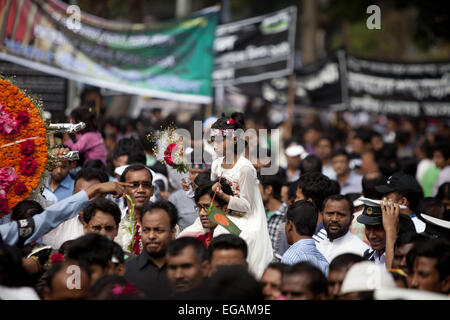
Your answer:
<point x="23" y="146"/>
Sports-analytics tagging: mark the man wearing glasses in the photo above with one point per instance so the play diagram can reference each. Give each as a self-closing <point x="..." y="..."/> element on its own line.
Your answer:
<point x="140" y="189"/>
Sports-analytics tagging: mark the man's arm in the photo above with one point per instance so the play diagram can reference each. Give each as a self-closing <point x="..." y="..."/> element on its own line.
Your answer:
<point x="390" y="213"/>
<point x="52" y="216"/>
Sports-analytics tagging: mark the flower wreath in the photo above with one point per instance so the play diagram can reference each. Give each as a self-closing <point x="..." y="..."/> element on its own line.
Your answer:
<point x="23" y="146"/>
<point x="169" y="149"/>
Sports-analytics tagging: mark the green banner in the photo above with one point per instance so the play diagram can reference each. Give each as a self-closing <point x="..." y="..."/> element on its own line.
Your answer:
<point x="172" y="60"/>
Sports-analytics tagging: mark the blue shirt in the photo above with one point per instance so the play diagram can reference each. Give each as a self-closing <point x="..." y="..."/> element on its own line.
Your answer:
<point x="64" y="189"/>
<point x="305" y="251"/>
<point x="47" y="220"/>
<point x="353" y="184"/>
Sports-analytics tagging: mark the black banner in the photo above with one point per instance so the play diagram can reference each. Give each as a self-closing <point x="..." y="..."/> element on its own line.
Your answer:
<point x="413" y="89"/>
<point x="318" y="85"/>
<point x="255" y="49"/>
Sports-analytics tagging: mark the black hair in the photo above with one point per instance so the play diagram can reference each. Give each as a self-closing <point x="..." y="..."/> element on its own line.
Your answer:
<point x="402" y="137"/>
<point x="12" y="272"/>
<point x="203" y="178"/>
<point x="127" y="146"/>
<point x="317" y="282"/>
<point x="25" y="209"/>
<point x="409" y="237"/>
<point x="292" y="190"/>
<point x="137" y="157"/>
<point x="386" y="158"/>
<point x="311" y="163"/>
<point x="368" y="187"/>
<point x="135" y="167"/>
<point x="92" y="248"/>
<point x="427" y="148"/>
<point x="227" y="242"/>
<point x="408" y="165"/>
<point x="281" y="267"/>
<point x="413" y="195"/>
<point x="88" y="116"/>
<point x="340" y="152"/>
<point x="91" y="174"/>
<point x="165" y="205"/>
<point x="444" y="191"/>
<point x="304" y="215"/>
<point x="176" y="246"/>
<point x="432" y="248"/>
<point x="328" y="138"/>
<point x="118" y="252"/>
<point x="104" y="205"/>
<point x="345" y="260"/>
<point x="102" y="288"/>
<point x="317" y="186"/>
<point x="206" y="189"/>
<point x="228" y="282"/>
<point x="273" y="180"/>
<point x="339" y="197"/>
<point x="432" y="207"/>
<point x="95" y="163"/>
<point x="238" y="118"/>
<point x="444" y="148"/>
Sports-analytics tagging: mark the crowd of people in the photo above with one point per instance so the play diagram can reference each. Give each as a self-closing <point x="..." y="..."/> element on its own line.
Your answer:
<point x="352" y="212"/>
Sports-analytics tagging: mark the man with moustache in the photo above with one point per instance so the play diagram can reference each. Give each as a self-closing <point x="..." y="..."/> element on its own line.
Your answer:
<point x="337" y="217"/>
<point x="148" y="271"/>
<point x="140" y="189"/>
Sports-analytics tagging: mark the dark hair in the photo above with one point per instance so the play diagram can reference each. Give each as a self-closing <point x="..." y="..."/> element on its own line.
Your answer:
<point x="311" y="163"/>
<point x="432" y="207"/>
<point x="368" y="187"/>
<point x="339" y="197"/>
<point x="221" y="123"/>
<point x="345" y="260"/>
<point x="408" y="165"/>
<point x="317" y="281"/>
<point x="102" y="288"/>
<point x="227" y="242"/>
<point x="386" y="158"/>
<point x="413" y="195"/>
<point x="91" y="174"/>
<point x="118" y="252"/>
<point x="102" y="204"/>
<point x="292" y="190"/>
<point x="137" y="157"/>
<point x="427" y="148"/>
<point x="206" y="189"/>
<point x="12" y="272"/>
<point x="281" y="267"/>
<point x="203" y="178"/>
<point x="127" y="146"/>
<point x="87" y="115"/>
<point x="273" y="180"/>
<point x="340" y="152"/>
<point x="165" y="205"/>
<point x="229" y="282"/>
<point x="176" y="246"/>
<point x="92" y="248"/>
<point x="56" y="268"/>
<point x="409" y="237"/>
<point x="444" y="191"/>
<point x="135" y="167"/>
<point x="432" y="248"/>
<point x="95" y="163"/>
<point x="25" y="209"/>
<point x="317" y="186"/>
<point x="304" y="215"/>
<point x="444" y="148"/>
<point x="328" y="138"/>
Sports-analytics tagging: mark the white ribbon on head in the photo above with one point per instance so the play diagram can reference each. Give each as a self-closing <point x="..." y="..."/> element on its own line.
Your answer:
<point x="223" y="132"/>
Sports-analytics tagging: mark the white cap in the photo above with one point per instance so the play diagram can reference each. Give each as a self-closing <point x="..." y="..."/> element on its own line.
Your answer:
<point x="120" y="170"/>
<point x="358" y="202"/>
<point x="295" y="151"/>
<point x="436" y="221"/>
<point x="407" y="294"/>
<point x="375" y="203"/>
<point x="367" y="276"/>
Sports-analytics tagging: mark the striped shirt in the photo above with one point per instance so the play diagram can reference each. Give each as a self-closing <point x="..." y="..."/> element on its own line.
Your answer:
<point x="305" y="251"/>
<point x="275" y="224"/>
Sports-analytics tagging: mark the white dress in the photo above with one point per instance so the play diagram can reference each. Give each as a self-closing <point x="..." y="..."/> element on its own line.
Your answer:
<point x="247" y="199"/>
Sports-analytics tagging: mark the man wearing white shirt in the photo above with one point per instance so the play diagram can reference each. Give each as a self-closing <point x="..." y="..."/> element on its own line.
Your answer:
<point x="337" y="217"/>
